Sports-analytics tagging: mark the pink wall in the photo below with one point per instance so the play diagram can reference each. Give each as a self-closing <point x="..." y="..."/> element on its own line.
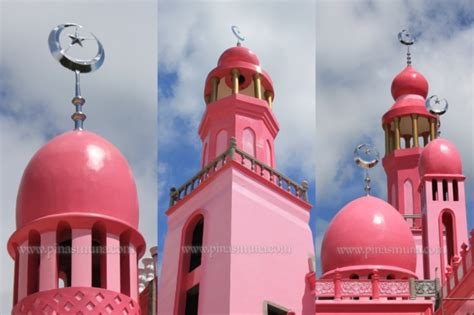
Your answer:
<point x="240" y="213"/>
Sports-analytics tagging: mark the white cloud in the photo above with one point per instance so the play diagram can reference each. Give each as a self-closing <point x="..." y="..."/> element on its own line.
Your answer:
<point x="36" y="93"/>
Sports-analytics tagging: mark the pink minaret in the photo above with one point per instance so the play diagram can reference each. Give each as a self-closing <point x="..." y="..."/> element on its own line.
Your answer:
<point x="76" y="244"/>
<point x="246" y="222"/>
<point x="408" y="128"/>
<point x="443" y="206"/>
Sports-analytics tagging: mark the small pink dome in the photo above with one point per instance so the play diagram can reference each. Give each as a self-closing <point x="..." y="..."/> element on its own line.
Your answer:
<point x="409" y="81"/>
<point x="368" y="233"/>
<point x="440" y="157"/>
<point x="77" y="172"/>
<point x="237" y="54"/>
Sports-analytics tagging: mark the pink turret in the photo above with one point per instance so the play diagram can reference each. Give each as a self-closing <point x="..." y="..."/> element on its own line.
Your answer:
<point x="238" y="238"/>
<point x="443" y="206"/>
<point x="76" y="245"/>
<point x="408" y="128"/>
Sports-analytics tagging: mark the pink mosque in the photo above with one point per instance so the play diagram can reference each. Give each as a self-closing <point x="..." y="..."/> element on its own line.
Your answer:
<point x="238" y="239"/>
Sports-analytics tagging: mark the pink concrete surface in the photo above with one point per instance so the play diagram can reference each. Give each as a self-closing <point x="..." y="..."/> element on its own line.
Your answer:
<point x="374" y="227"/>
<point x="48" y="266"/>
<point x="440" y="157"/>
<point x="81" y="258"/>
<point x="77" y="171"/>
<point x="350" y="307"/>
<point x="77" y="300"/>
<point x="241" y="212"/>
<point x="409" y="81"/>
<point x="234" y="114"/>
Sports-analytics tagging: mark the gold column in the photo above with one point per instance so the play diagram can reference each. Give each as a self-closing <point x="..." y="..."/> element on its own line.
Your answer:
<point x="387" y="139"/>
<point x="397" y="133"/>
<point x="257" y="85"/>
<point x="414" y="127"/>
<point x="214" y="85"/>
<point x="235" y="81"/>
<point x="432" y="129"/>
<point x="269" y="97"/>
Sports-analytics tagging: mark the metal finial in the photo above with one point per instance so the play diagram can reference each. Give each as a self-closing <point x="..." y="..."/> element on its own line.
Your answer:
<point x="437" y="106"/>
<point x="366" y="157"/>
<point x="406" y="39"/>
<point x="75" y="64"/>
<point x="236" y="31"/>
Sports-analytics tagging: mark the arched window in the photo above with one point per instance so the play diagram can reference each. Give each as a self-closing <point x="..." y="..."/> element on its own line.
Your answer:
<point x="196" y="243"/>
<point x="63" y="237"/>
<point x="99" y="256"/>
<point x="221" y="142"/>
<point x="248" y="141"/>
<point x="408" y="196"/>
<point x="393" y="195"/>
<point x="455" y="190"/>
<point x="447" y="221"/>
<point x="445" y="190"/>
<point x="434" y="189"/>
<point x="34" y="242"/>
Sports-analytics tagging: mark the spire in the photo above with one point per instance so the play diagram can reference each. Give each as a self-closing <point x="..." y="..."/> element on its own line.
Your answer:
<point x="437" y="106"/>
<point x="75" y="64"/>
<point x="406" y="39"/>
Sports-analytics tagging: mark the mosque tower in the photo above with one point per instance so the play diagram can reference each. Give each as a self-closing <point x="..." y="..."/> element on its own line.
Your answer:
<point x="408" y="128"/>
<point x="248" y="222"/>
<point x="443" y="207"/>
<point x="76" y="242"/>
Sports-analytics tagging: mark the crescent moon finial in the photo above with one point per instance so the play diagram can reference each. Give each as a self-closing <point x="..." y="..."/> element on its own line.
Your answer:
<point x="62" y="55"/>
<point x="366" y="156"/>
<point x="240" y="38"/>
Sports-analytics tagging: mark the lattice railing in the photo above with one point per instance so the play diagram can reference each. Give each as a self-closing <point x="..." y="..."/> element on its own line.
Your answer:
<point x="375" y="288"/>
<point x="235" y="154"/>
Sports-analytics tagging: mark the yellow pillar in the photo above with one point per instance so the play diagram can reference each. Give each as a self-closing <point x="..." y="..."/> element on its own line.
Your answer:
<point x="397" y="133"/>
<point x="235" y="81"/>
<point x="432" y="129"/>
<point x="269" y="97"/>
<point x="414" y="127"/>
<point x="257" y="85"/>
<point x="387" y="139"/>
<point x="214" y="85"/>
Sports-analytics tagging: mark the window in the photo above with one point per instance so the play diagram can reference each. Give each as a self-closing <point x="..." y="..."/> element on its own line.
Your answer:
<point x="98" y="256"/>
<point x="268" y="153"/>
<point x="33" y="261"/>
<point x="196" y="243"/>
<point x="125" y="263"/>
<point x="63" y="237"/>
<point x="221" y="142"/>
<point x="445" y="190"/>
<point x="434" y="189"/>
<point x="448" y="232"/>
<point x="455" y="190"/>
<point x="275" y="310"/>
<point x="192" y="301"/>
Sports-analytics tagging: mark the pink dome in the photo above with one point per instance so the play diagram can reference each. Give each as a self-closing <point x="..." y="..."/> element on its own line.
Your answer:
<point x="236" y="55"/>
<point x="77" y="172"/>
<point x="440" y="157"/>
<point x="368" y="233"/>
<point x="409" y="81"/>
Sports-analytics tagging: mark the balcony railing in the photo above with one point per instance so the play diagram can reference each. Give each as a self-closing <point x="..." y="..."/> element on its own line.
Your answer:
<point x="375" y="288"/>
<point x="235" y="154"/>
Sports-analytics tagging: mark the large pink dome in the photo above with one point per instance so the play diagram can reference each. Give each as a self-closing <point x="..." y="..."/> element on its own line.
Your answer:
<point x="77" y="172"/>
<point x="368" y="233"/>
<point x="409" y="81"/>
<point x="440" y="157"/>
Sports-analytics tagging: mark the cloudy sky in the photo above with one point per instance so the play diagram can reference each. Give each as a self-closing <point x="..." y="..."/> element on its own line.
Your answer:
<point x="191" y="37"/>
<point x="35" y="95"/>
<point x="357" y="57"/>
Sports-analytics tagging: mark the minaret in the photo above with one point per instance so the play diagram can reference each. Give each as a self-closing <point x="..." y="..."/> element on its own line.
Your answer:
<point x="76" y="242"/>
<point x="238" y="239"/>
<point x="443" y="206"/>
<point x="408" y="128"/>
